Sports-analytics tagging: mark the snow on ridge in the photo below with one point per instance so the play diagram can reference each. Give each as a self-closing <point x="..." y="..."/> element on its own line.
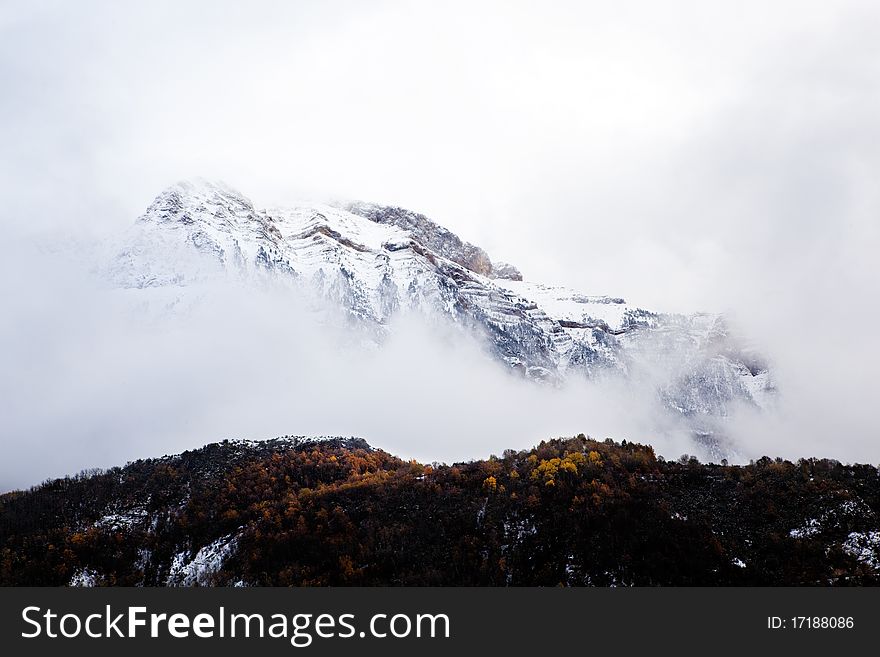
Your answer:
<point x="562" y="303"/>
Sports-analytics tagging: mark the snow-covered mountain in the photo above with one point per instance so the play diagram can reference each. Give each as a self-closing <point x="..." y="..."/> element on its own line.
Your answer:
<point x="374" y="261"/>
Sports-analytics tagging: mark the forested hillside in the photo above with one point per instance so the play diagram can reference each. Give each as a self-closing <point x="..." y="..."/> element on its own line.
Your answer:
<point x="338" y="512"/>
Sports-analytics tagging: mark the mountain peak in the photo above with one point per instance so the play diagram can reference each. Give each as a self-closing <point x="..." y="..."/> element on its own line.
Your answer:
<point x="176" y="199"/>
<point x="372" y="261"/>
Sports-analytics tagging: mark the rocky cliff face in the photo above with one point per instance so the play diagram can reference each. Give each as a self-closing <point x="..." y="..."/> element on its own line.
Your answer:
<point x="373" y="261"/>
<point x="438" y="239"/>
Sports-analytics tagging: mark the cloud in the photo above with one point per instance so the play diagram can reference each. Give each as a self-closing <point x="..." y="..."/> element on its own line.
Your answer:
<point x="94" y="377"/>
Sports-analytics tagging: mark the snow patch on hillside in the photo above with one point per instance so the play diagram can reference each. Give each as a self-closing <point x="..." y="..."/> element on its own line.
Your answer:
<point x="865" y="547"/>
<point x="85" y="577"/>
<point x="197" y="570"/>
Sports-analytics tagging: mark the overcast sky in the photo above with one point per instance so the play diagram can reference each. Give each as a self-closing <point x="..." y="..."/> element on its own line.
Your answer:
<point x="635" y="148"/>
<point x="685" y="155"/>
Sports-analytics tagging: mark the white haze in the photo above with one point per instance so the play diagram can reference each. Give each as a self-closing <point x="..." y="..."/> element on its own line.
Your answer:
<point x="685" y="155"/>
<point x="98" y="379"/>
